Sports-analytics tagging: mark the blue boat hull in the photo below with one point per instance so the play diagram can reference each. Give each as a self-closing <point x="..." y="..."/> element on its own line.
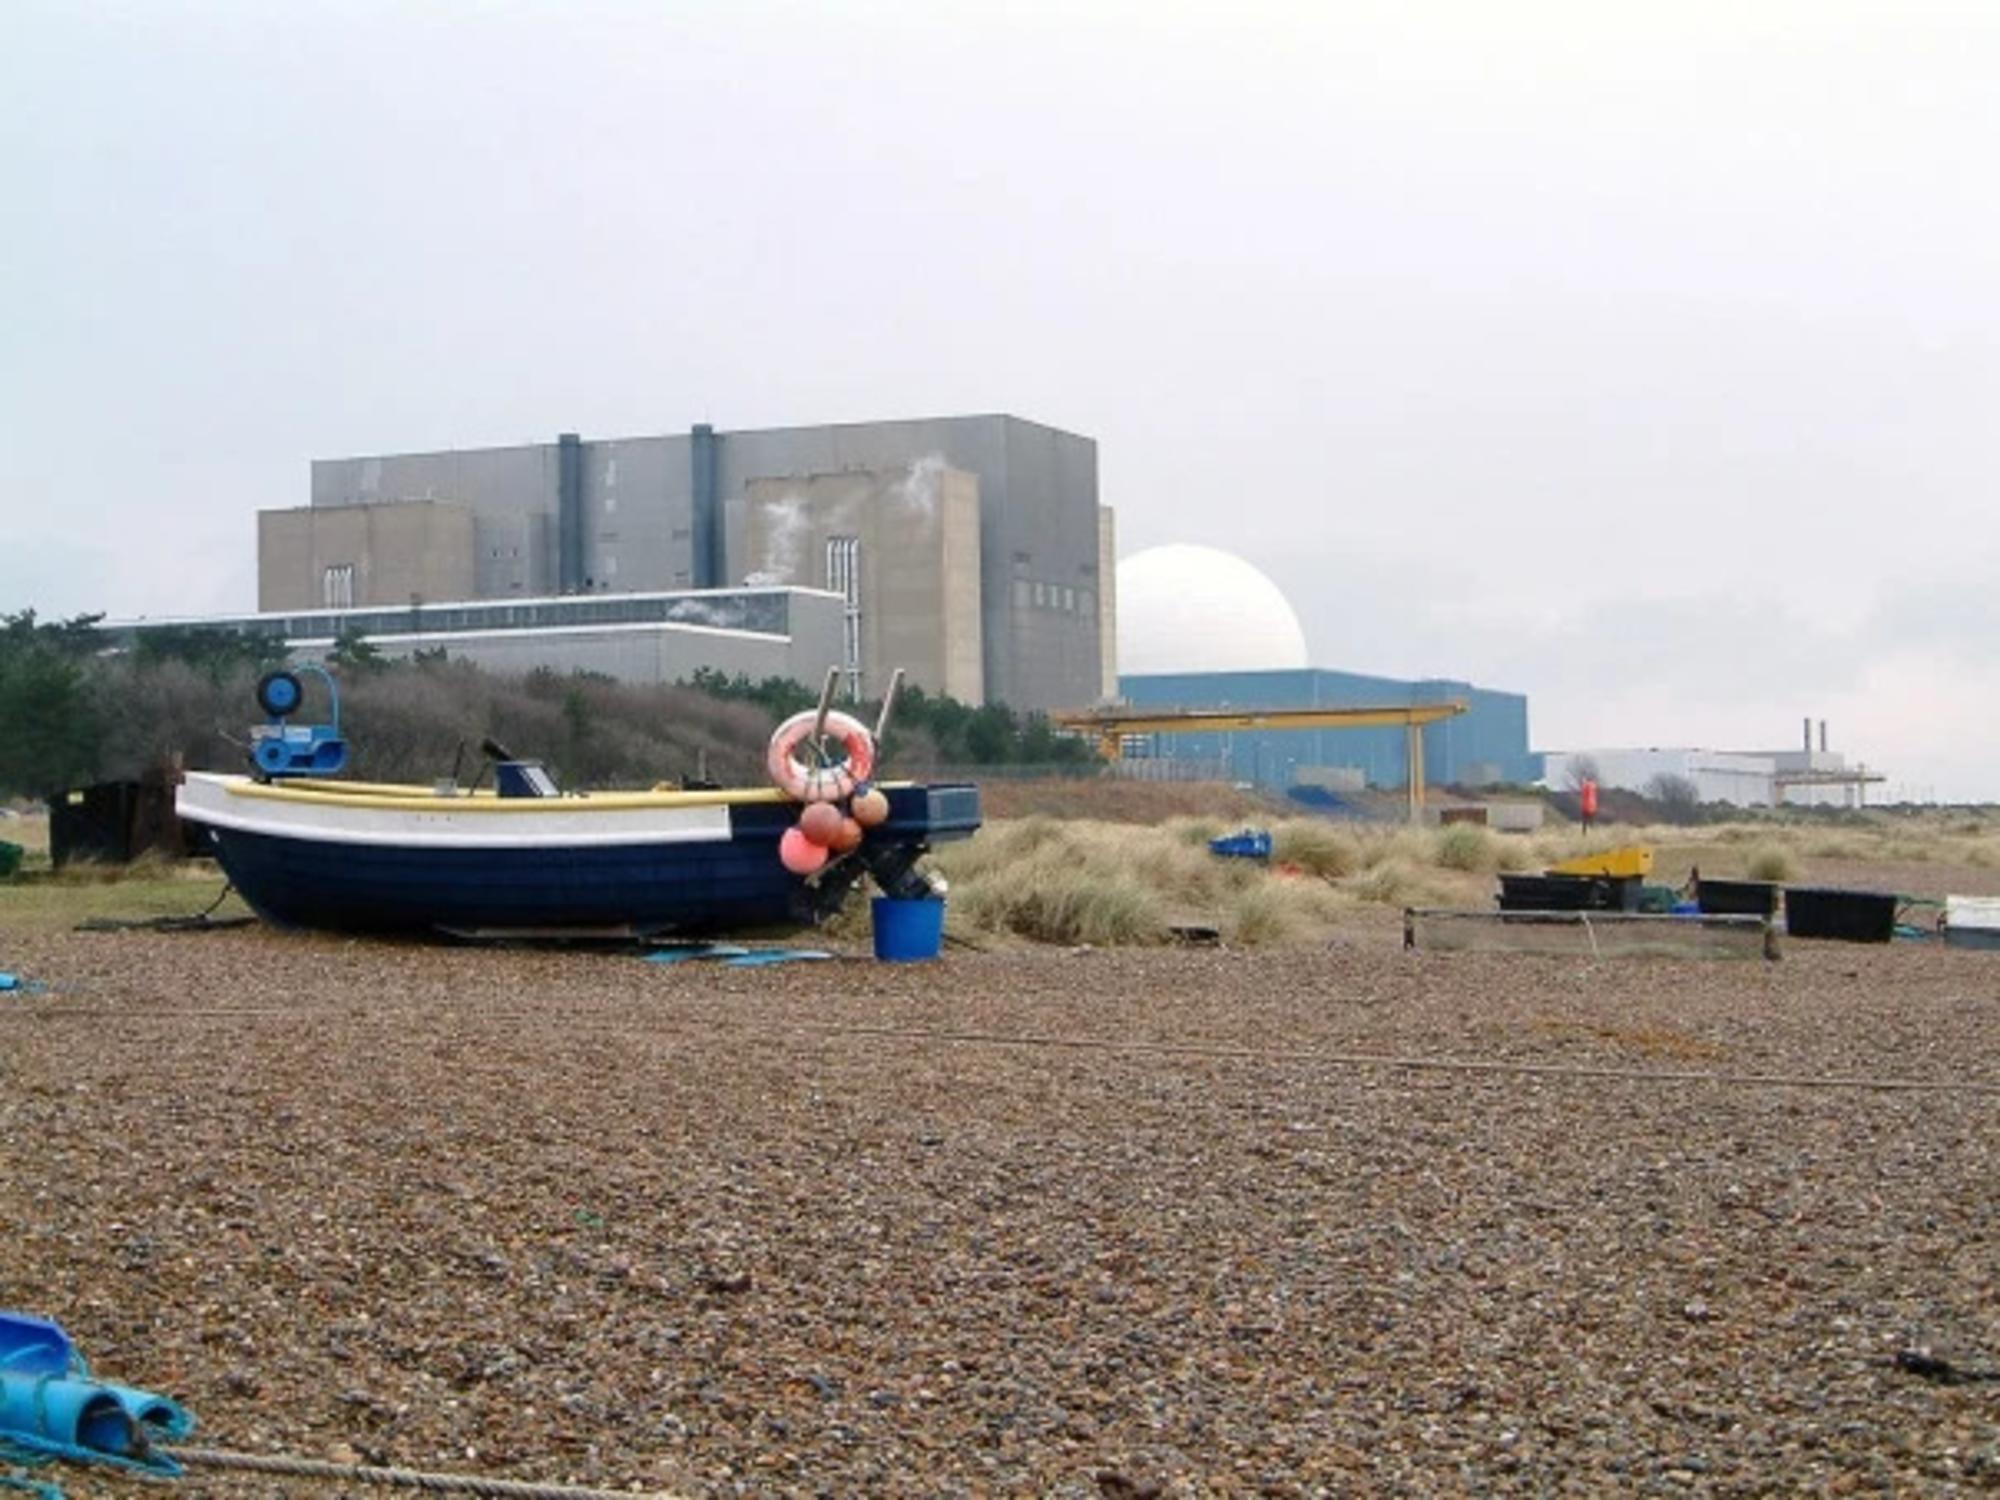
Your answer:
<point x="712" y="886"/>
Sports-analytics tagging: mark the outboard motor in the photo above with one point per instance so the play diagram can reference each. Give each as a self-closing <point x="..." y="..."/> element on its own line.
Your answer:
<point x="278" y="748"/>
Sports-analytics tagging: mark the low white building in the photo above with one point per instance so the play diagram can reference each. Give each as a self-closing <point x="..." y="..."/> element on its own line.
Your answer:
<point x="1716" y="775"/>
<point x="1743" y="778"/>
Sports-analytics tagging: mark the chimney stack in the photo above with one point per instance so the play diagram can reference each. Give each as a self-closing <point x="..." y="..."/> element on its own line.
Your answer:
<point x="1822" y="736"/>
<point x="1809" y="734"/>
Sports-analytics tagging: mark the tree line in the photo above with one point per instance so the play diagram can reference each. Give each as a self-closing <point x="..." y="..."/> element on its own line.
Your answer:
<point x="77" y="705"/>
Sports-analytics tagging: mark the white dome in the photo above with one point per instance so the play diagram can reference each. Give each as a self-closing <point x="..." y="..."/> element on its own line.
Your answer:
<point x="1196" y="609"/>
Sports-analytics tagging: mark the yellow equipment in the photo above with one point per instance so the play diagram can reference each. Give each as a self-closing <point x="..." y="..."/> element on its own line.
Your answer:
<point x="1623" y="863"/>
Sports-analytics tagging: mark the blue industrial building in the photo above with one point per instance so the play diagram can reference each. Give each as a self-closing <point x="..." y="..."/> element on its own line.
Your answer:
<point x="1485" y="745"/>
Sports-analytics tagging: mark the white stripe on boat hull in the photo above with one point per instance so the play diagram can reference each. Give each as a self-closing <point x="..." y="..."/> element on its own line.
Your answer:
<point x="567" y="823"/>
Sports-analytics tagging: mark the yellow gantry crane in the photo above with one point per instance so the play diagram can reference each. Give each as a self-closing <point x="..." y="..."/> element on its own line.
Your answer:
<point x="1109" y="726"/>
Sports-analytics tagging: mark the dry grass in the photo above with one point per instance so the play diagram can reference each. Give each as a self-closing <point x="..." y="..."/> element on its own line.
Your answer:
<point x="1875" y="838"/>
<point x="1772" y="863"/>
<point x="1077" y="881"/>
<point x="1318" y="848"/>
<point x="147" y="888"/>
<point x="1466" y="846"/>
<point x="1052" y="881"/>
<point x="29" y="830"/>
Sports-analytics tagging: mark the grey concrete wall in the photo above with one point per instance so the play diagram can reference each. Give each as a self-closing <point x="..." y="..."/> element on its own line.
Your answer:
<point x="919" y="552"/>
<point x="1107" y="601"/>
<point x="638" y="514"/>
<point x="514" y="556"/>
<point x="1053" y="659"/>
<point x="963" y="628"/>
<point x="1041" y="564"/>
<point x="511" y="493"/>
<point x="492" y="481"/>
<point x="422" y="550"/>
<point x="1038" y="524"/>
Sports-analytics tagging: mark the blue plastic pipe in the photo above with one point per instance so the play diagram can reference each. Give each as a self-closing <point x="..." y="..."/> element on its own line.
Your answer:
<point x="51" y="1408"/>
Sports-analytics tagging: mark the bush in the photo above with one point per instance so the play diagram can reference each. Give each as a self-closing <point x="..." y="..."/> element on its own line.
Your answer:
<point x="1392" y="882"/>
<point x="1263" y="914"/>
<point x="1103" y="883"/>
<point x="1773" y="863"/>
<point x="52" y="732"/>
<point x="1194" y="832"/>
<point x="1678" y="797"/>
<point x="1467" y="846"/>
<point x="1055" y="905"/>
<point x="1316" y="847"/>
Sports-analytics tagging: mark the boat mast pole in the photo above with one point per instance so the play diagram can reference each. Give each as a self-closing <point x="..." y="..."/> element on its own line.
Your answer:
<point x="825" y="707"/>
<point x="888" y="707"/>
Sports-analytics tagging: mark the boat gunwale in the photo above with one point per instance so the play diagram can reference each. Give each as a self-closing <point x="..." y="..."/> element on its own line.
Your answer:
<point x="309" y="792"/>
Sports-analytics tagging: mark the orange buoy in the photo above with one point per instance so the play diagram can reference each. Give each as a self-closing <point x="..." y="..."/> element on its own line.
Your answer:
<point x="800" y="854"/>
<point x="820" y="822"/>
<point x="870" y="808"/>
<point x="847" y="837"/>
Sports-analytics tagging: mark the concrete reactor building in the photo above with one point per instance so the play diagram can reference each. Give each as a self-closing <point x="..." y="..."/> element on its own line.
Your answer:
<point x="971" y="551"/>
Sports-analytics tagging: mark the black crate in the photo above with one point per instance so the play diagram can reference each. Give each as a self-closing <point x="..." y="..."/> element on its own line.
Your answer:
<point x="1738" y="898"/>
<point x="93" y="823"/>
<point x="1569" y="893"/>
<point x="114" y="822"/>
<point x="1847" y="916"/>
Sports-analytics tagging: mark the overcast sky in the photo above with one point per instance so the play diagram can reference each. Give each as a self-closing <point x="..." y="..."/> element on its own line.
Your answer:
<point x="1644" y="358"/>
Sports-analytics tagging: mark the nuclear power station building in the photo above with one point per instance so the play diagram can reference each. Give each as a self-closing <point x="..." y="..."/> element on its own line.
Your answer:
<point x="971" y="551"/>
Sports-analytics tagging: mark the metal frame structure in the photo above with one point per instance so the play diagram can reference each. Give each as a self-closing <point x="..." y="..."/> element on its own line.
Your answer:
<point x="1857" y="781"/>
<point x="1109" y="726"/>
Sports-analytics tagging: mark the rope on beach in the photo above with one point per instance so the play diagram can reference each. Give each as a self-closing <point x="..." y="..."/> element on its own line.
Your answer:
<point x="409" y="1479"/>
<point x="1407" y="1063"/>
<point x="619" y="1025"/>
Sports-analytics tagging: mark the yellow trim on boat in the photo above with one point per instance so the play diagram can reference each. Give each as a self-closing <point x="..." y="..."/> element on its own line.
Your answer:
<point x="424" y="799"/>
<point x="376" y="788"/>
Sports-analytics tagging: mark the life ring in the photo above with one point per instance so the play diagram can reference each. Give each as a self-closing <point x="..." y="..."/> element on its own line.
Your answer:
<point x="804" y="782"/>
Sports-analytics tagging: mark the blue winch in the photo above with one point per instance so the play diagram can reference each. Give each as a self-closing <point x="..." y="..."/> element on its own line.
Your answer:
<point x="278" y="748"/>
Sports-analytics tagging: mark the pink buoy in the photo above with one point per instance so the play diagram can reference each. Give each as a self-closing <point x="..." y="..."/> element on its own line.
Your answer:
<point x="800" y="854"/>
<point x="870" y="808"/>
<point x="847" y="837"/>
<point x="820" y="822"/>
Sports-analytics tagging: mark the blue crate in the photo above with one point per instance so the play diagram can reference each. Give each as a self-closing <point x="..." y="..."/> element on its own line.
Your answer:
<point x="1251" y="843"/>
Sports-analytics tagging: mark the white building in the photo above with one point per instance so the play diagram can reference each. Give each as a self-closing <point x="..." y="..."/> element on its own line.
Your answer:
<point x="1743" y="778"/>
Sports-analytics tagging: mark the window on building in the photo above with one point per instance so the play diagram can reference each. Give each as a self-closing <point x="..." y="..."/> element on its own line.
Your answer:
<point x="337" y="586"/>
<point x="1041" y="595"/>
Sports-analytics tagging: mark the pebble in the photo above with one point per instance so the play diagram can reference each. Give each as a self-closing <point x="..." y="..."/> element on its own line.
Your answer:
<point x="749" y="1232"/>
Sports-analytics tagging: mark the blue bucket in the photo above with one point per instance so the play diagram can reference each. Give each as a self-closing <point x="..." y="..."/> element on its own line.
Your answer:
<point x="907" y="931"/>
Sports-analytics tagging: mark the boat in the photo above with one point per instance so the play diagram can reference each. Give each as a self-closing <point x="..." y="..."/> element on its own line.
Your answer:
<point x="523" y="857"/>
